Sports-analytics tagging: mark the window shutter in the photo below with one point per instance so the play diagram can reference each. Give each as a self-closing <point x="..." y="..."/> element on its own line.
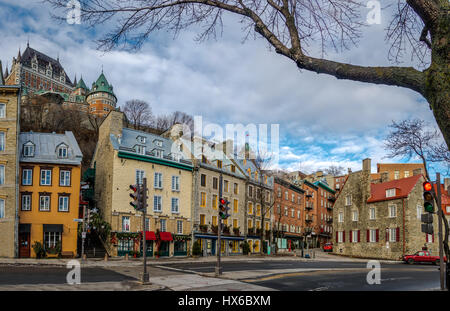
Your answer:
<point x="337" y="236"/>
<point x="387" y="235"/>
<point x="350" y="232"/>
<point x="343" y="236"/>
<point x="432" y="238"/>
<point x="397" y="234"/>
<point x="368" y="235"/>
<point x="359" y="236"/>
<point x="378" y="235"/>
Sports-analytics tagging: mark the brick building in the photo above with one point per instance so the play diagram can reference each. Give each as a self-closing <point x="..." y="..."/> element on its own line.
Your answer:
<point x="325" y="202"/>
<point x="287" y="218"/>
<point x="391" y="171"/>
<point x="380" y="220"/>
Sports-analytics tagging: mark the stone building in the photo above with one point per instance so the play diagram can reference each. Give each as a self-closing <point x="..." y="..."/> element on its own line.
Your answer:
<point x="124" y="157"/>
<point x="380" y="220"/>
<point x="9" y="169"/>
<point x="287" y="216"/>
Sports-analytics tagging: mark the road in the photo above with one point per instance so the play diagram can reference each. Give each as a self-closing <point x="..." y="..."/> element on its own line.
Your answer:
<point x="332" y="276"/>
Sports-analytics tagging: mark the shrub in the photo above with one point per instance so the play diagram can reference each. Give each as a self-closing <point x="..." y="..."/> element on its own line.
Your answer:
<point x="196" y="248"/>
<point x="245" y="248"/>
<point x="39" y="250"/>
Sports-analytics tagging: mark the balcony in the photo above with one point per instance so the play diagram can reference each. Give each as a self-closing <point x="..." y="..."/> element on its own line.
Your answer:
<point x="308" y="195"/>
<point x="330" y="219"/>
<point x="309" y="206"/>
<point x="308" y="219"/>
<point x="329" y="207"/>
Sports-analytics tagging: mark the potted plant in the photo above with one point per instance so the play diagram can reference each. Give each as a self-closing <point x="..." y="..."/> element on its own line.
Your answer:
<point x="203" y="228"/>
<point x="214" y="228"/>
<point x="236" y="231"/>
<point x="39" y="250"/>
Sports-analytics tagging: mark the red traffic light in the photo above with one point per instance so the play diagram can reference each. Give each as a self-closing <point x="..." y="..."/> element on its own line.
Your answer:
<point x="222" y="201"/>
<point x="427" y="186"/>
<point x="133" y="187"/>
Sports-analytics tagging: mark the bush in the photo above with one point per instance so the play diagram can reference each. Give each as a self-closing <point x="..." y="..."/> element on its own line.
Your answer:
<point x="245" y="248"/>
<point x="39" y="250"/>
<point x="196" y="248"/>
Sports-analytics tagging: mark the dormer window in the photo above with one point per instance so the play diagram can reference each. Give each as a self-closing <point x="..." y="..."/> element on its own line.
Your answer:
<point x="158" y="142"/>
<point x="49" y="72"/>
<point x="28" y="149"/>
<point x="141" y="139"/>
<point x="62" y="79"/>
<point x="140" y="149"/>
<point x="390" y="193"/>
<point x="62" y="151"/>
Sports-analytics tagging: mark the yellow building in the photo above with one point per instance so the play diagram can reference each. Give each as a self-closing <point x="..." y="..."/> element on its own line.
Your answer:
<point x="124" y="157"/>
<point x="9" y="165"/>
<point x="49" y="192"/>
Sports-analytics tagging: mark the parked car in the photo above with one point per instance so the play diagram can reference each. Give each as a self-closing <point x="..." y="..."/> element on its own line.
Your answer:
<point x="422" y="256"/>
<point x="328" y="247"/>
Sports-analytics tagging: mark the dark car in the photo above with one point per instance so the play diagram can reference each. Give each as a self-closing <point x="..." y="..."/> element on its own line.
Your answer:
<point x="328" y="247"/>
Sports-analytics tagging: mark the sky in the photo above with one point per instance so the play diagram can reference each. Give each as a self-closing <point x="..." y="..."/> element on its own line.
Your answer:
<point x="322" y="121"/>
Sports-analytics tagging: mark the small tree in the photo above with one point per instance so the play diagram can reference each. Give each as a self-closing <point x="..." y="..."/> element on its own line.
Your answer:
<point x="196" y="248"/>
<point x="138" y="112"/>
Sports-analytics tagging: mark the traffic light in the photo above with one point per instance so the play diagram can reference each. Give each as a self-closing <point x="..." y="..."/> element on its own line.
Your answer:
<point x="223" y="208"/>
<point x="135" y="196"/>
<point x="428" y="197"/>
<point x="142" y="198"/>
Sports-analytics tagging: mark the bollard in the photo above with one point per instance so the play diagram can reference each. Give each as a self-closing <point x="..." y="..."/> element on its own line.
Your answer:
<point x="106" y="257"/>
<point x="84" y="257"/>
<point x="126" y="257"/>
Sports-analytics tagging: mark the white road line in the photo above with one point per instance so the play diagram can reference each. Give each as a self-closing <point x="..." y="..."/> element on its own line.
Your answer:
<point x="175" y="269"/>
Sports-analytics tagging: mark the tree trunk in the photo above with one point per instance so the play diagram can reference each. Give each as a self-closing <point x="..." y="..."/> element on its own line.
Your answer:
<point x="437" y="77"/>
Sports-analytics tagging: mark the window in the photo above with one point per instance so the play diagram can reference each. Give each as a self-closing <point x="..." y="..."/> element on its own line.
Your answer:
<point x="392" y="211"/>
<point x="64" y="178"/>
<point x="250" y="224"/>
<point x="63" y="204"/>
<point x="140" y="149"/>
<point x="447" y="208"/>
<point x="2" y="174"/>
<point x="372" y="235"/>
<point x="2" y="141"/>
<point x="286" y="195"/>
<point x="157" y="203"/>
<point x="396" y="175"/>
<point x="2" y="110"/>
<point x="62" y="151"/>
<point x="175" y="208"/>
<point x="340" y="236"/>
<point x="175" y="183"/>
<point x="147" y="224"/>
<point x="293" y="198"/>
<point x="406" y="173"/>
<point x="348" y="200"/>
<point x="250" y="208"/>
<point x="258" y="210"/>
<point x="141" y="139"/>
<point x="286" y="212"/>
<point x="202" y="219"/>
<point x="219" y="163"/>
<point x="2" y="208"/>
<point x="214" y="201"/>
<point x="250" y="191"/>
<point x="158" y="181"/>
<point x="215" y="181"/>
<point x="355" y="236"/>
<point x="419" y="211"/>
<point x="214" y="220"/>
<point x="140" y="174"/>
<point x="392" y="234"/>
<point x="179" y="226"/>
<point x="163" y="225"/>
<point x="203" y="180"/>
<point x="298" y="214"/>
<point x="225" y="185"/>
<point x="430" y="238"/>
<point x="236" y="188"/>
<point x="203" y="199"/>
<point x="51" y="239"/>
<point x="292" y="213"/>
<point x="235" y="206"/>
<point x="158" y="153"/>
<point x="390" y="193"/>
<point x="235" y="223"/>
<point x="27" y="177"/>
<point x="258" y="224"/>
<point x="26" y="202"/>
<point x="355" y="215"/>
<point x="44" y="203"/>
<point x="372" y="213"/>
<point x="28" y="149"/>
<point x="46" y="177"/>
<point x="341" y="217"/>
<point x="158" y="143"/>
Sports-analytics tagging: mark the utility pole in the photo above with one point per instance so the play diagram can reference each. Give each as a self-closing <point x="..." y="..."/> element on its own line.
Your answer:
<point x="441" y="244"/>
<point x="143" y="201"/>
<point x="83" y="233"/>
<point x="219" y="230"/>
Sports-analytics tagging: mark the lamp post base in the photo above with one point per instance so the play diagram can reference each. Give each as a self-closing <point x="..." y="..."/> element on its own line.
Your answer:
<point x="145" y="279"/>
<point x="218" y="271"/>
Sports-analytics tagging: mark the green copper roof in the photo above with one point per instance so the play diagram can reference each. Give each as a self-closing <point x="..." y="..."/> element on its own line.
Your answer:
<point x="102" y="85"/>
<point x="82" y="85"/>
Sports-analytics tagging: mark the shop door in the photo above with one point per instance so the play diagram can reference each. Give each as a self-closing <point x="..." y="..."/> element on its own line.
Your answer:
<point x="164" y="249"/>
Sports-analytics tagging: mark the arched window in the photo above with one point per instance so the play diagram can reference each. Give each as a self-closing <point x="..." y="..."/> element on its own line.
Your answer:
<point x="62" y="151"/>
<point x="28" y="149"/>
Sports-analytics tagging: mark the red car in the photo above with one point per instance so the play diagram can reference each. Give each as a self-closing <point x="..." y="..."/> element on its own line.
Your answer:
<point x="422" y="256"/>
<point x="328" y="247"/>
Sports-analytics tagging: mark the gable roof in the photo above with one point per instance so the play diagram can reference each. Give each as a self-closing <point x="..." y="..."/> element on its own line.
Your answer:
<point x="405" y="185"/>
<point x="102" y="85"/>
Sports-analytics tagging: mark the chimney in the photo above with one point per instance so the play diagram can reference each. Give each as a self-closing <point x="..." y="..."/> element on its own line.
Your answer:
<point x="447" y="185"/>
<point x="417" y="171"/>
<point x="366" y="165"/>
<point x="228" y="147"/>
<point x="349" y="170"/>
<point x="384" y="176"/>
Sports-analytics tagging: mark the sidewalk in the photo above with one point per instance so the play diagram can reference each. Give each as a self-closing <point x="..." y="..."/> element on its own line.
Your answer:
<point x="97" y="286"/>
<point x="120" y="261"/>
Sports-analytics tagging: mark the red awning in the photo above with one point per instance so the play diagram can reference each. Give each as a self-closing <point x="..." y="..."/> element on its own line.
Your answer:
<point x="165" y="236"/>
<point x="150" y="236"/>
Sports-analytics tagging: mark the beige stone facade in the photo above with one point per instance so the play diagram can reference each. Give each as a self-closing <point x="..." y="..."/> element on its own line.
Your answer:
<point x="169" y="181"/>
<point x="370" y="226"/>
<point x="9" y="166"/>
